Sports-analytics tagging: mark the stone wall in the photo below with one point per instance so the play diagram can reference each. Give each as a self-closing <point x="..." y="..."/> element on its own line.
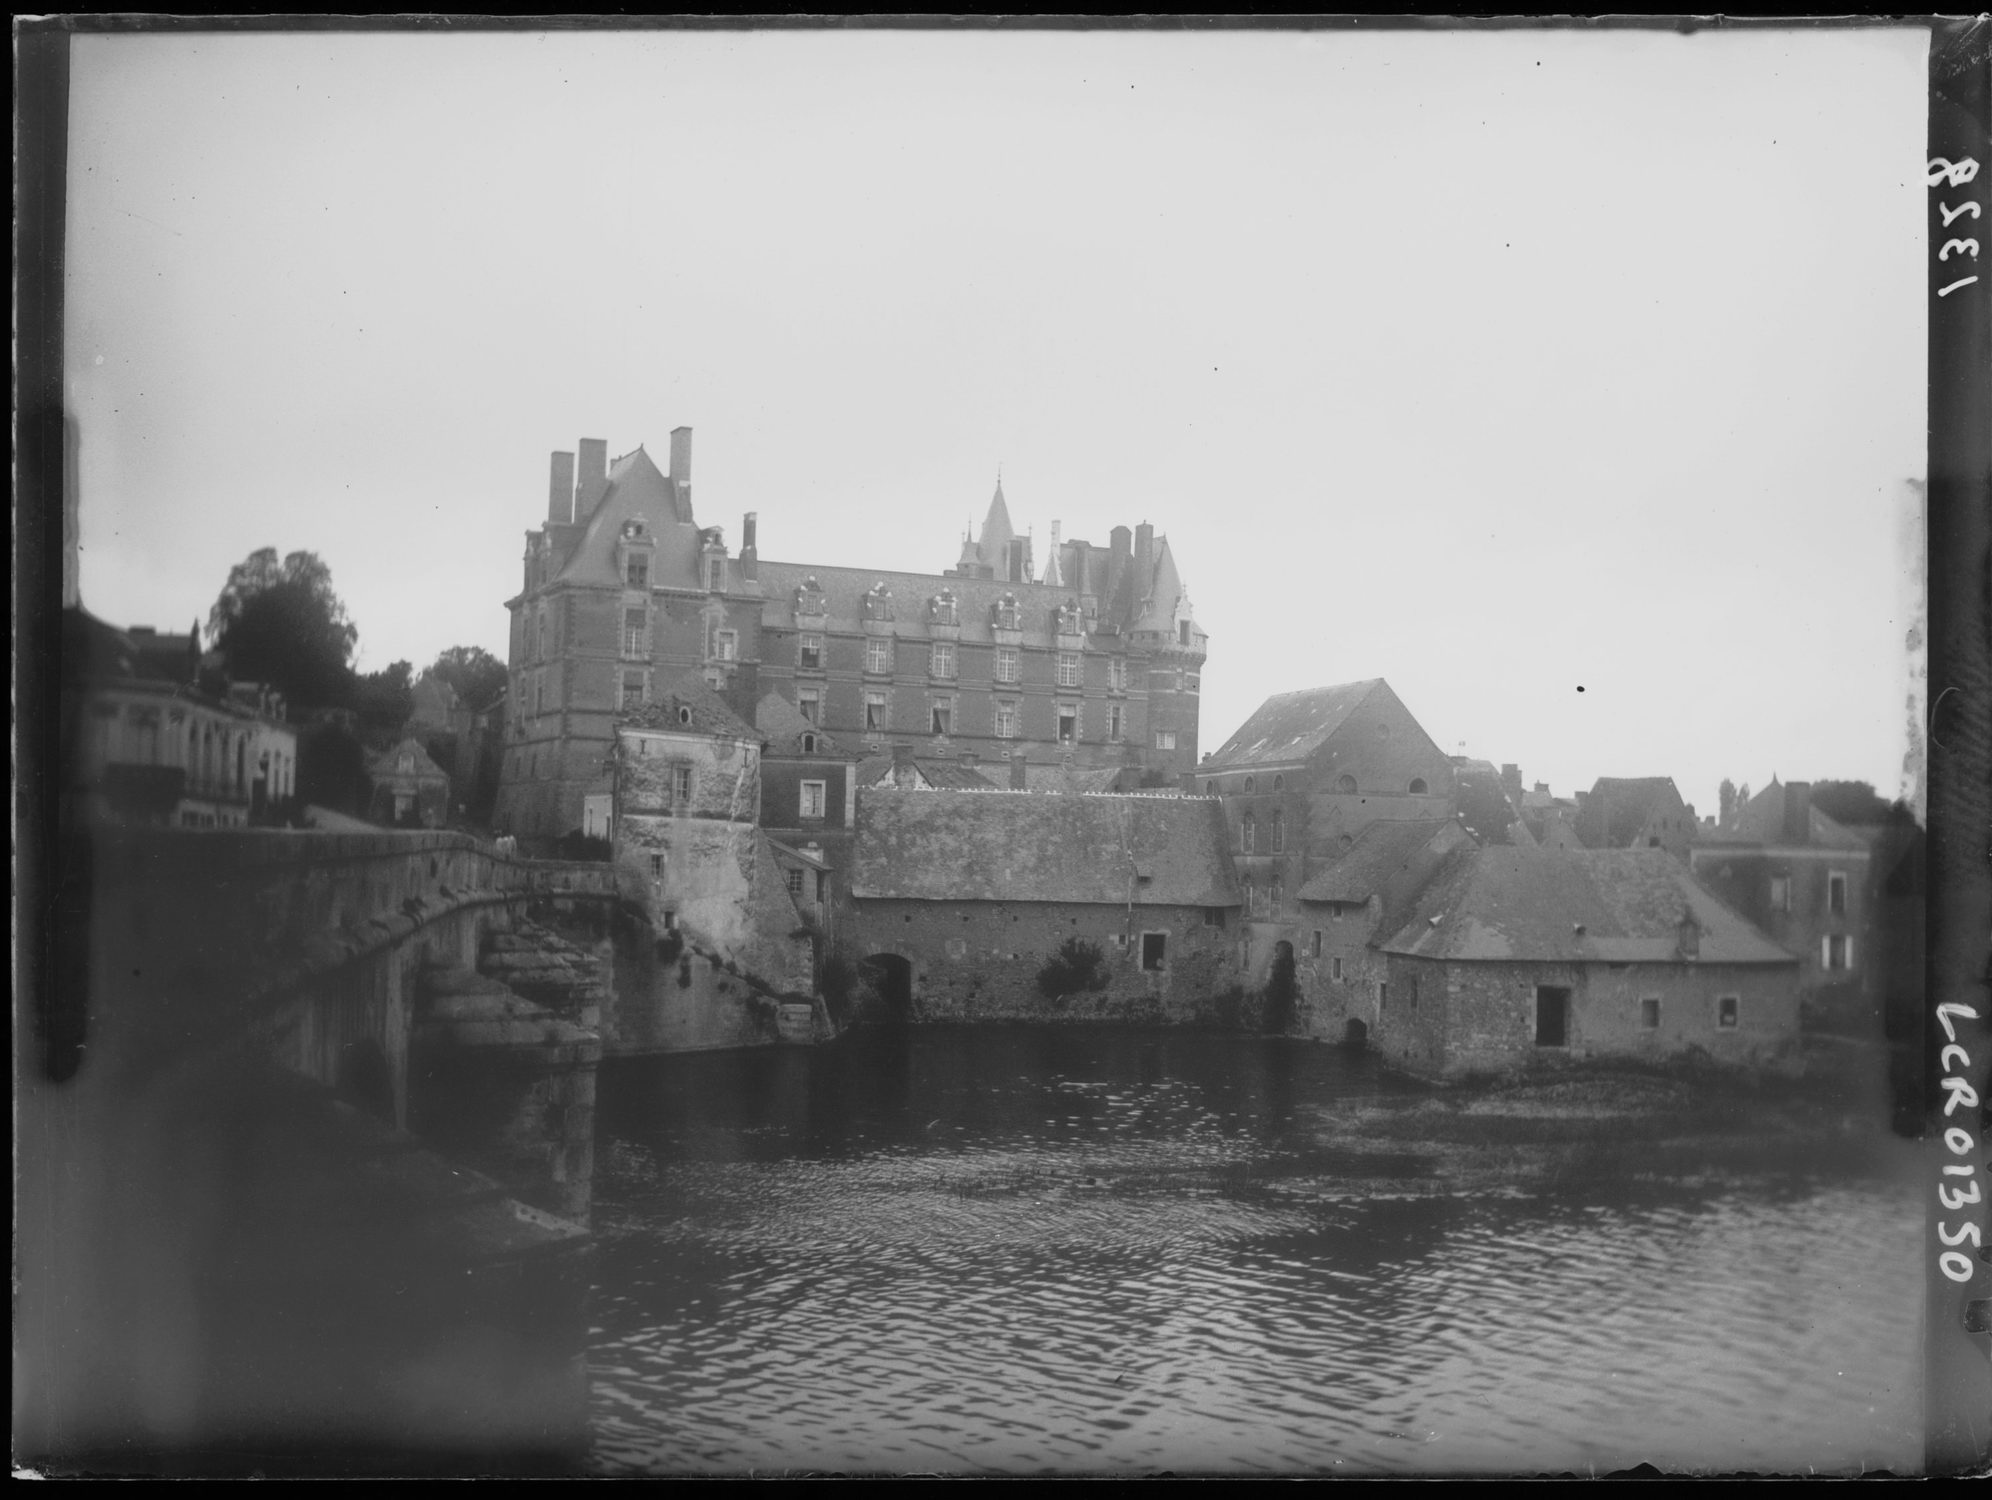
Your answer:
<point x="980" y="960"/>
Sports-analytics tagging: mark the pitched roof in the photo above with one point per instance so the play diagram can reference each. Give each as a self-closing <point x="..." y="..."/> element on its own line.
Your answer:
<point x="1619" y="807"/>
<point x="1485" y="805"/>
<point x="1761" y="820"/>
<point x="944" y="775"/>
<point x="1292" y="726"/>
<point x="1057" y="776"/>
<point x="782" y="727"/>
<point x="1379" y="853"/>
<point x="1024" y="846"/>
<point x="687" y="706"/>
<point x="637" y="491"/>
<point x="1573" y="906"/>
<point x="387" y="762"/>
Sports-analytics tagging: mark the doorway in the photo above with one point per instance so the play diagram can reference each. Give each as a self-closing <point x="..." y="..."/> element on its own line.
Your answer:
<point x="1552" y="1016"/>
<point x="892" y="978"/>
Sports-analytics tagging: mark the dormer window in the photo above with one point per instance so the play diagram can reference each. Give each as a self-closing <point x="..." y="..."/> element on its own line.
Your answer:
<point x="406" y="765"/>
<point x="684" y="715"/>
<point x="1006" y="612"/>
<point x="716" y="575"/>
<point x="1418" y="786"/>
<point x="878" y="603"/>
<point x="943" y="609"/>
<point x="809" y="744"/>
<point x="809" y="597"/>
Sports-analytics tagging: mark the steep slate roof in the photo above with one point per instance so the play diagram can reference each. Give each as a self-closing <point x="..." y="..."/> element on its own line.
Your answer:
<point x="1526" y="904"/>
<point x="1291" y="726"/>
<point x="946" y="775"/>
<point x="709" y="712"/>
<point x="1618" y="808"/>
<point x="385" y="763"/>
<point x="1485" y="805"/>
<point x="1059" y="777"/>
<point x="638" y="490"/>
<point x="782" y="727"/>
<point x="1762" y="821"/>
<point x="1024" y="846"/>
<point x="1379" y="852"/>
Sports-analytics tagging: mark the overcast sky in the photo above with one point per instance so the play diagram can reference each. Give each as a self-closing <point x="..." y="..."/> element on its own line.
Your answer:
<point x="1499" y="365"/>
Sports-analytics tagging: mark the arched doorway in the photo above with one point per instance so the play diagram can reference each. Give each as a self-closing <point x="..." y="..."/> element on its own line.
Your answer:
<point x="1280" y="988"/>
<point x="1355" y="1035"/>
<point x="892" y="980"/>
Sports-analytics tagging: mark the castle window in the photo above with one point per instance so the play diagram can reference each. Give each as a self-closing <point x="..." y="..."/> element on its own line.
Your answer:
<point x="822" y="886"/>
<point x="1279" y="783"/>
<point x="657" y="866"/>
<point x="632" y="689"/>
<point x="813" y="798"/>
<point x="809" y="703"/>
<point x="943" y="610"/>
<point x="1836" y="893"/>
<point x="681" y="784"/>
<point x="809" y="744"/>
<point x="1277" y="893"/>
<point x="684" y="716"/>
<point x="636" y="633"/>
<point x="941" y="659"/>
<point x="1780" y="893"/>
<point x="639" y="573"/>
<point x="1117" y="674"/>
<point x="716" y="574"/>
<point x="1251" y="783"/>
<point x="1248" y="835"/>
<point x="809" y="653"/>
<point x="795" y="882"/>
<point x="1210" y="789"/>
<point x="874" y="713"/>
<point x="539" y="696"/>
<point x="1068" y="669"/>
<point x="1154" y="945"/>
<point x="1006" y="721"/>
<point x="1279" y="831"/>
<point x="1726" y="1011"/>
<point x="878" y="654"/>
<point x="1214" y="917"/>
<point x="1335" y="969"/>
<point x="1116" y="723"/>
<point x="1314" y="948"/>
<point x="728" y="643"/>
<point x="1183" y="632"/>
<point x="1417" y="786"/>
<point x="1165" y="739"/>
<point x="1649" y="1013"/>
<point x="1068" y="723"/>
<point x="943" y="716"/>
<point x="1346" y="785"/>
<point x="1836" y="951"/>
<point x="1006" y="612"/>
<point x="1006" y="663"/>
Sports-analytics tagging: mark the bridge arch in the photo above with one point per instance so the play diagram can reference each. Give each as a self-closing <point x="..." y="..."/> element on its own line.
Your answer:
<point x="891" y="978"/>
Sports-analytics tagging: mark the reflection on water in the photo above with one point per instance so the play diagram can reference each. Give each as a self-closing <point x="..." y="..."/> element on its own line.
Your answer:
<point x="1077" y="1251"/>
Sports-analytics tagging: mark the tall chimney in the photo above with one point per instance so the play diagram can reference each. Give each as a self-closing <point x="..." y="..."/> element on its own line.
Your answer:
<point x="1511" y="778"/>
<point x="750" y="556"/>
<point x="591" y="477"/>
<point x="1078" y="579"/>
<point x="1798" y="812"/>
<point x="1018" y="780"/>
<point x="1118" y="539"/>
<point x="560" y="490"/>
<point x="1144" y="547"/>
<point x="681" y="459"/>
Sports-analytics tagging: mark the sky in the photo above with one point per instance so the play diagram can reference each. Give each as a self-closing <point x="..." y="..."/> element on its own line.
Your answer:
<point x="1573" y="383"/>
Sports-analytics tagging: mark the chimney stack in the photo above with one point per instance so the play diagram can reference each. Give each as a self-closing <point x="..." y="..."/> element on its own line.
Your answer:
<point x="1511" y="778"/>
<point x="681" y="460"/>
<point x="1118" y="539"/>
<point x="1018" y="780"/>
<point x="1144" y="547"/>
<point x="902" y="764"/>
<point x="1798" y="812"/>
<point x="591" y="477"/>
<point x="750" y="555"/>
<point x="560" y="491"/>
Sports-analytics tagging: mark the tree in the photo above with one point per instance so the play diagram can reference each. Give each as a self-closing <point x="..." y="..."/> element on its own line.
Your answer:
<point x="281" y="623"/>
<point x="1854" y="802"/>
<point x="384" y="700"/>
<point x="474" y="674"/>
<point x="1078" y="965"/>
<point x="1727" y="794"/>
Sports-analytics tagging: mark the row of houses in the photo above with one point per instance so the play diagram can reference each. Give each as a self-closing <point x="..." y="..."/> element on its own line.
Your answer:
<point x="1325" y="868"/>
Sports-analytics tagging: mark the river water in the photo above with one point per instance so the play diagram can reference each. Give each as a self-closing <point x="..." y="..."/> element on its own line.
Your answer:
<point x="1078" y="1251"/>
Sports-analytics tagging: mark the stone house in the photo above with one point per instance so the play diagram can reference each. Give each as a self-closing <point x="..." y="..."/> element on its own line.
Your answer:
<point x="624" y="590"/>
<point x="727" y="938"/>
<point x="406" y="786"/>
<point x="1635" y="812"/>
<point x="1511" y="958"/>
<point x="961" y="898"/>
<point x="1346" y="906"/>
<point x="143" y="744"/>
<point x="809" y="783"/>
<point x="1805" y="880"/>
<point x="1300" y="781"/>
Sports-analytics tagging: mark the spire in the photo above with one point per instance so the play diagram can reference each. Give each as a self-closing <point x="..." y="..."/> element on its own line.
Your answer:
<point x="1053" y="575"/>
<point x="997" y="533"/>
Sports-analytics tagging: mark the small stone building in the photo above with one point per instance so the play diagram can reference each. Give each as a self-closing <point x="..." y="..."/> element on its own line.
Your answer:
<point x="1510" y="958"/>
<point x="961" y="898"/>
<point x="407" y="787"/>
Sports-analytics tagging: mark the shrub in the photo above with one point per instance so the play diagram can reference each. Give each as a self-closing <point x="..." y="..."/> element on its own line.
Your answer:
<point x="1078" y="965"/>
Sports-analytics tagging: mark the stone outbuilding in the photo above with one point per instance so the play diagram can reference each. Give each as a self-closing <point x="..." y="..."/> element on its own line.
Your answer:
<point x="961" y="898"/>
<point x="1510" y="958"/>
<point x="408" y="788"/>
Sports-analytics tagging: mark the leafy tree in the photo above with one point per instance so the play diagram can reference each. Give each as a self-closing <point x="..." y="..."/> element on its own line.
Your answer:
<point x="1078" y="965"/>
<point x="384" y="700"/>
<point x="260" y="572"/>
<point x="1854" y="802"/>
<point x="331" y="769"/>
<point x="474" y="674"/>
<point x="288" y="636"/>
<point x="1727" y="795"/>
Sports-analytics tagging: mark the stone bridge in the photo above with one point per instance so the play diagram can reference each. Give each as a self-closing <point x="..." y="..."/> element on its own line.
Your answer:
<point x="305" y="1141"/>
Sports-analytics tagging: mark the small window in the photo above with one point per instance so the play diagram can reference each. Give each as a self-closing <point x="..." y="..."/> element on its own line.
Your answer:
<point x="1214" y="916"/>
<point x="1251" y="900"/>
<point x="681" y="784"/>
<point x="1248" y="835"/>
<point x="809" y="653"/>
<point x="942" y="659"/>
<point x="670" y="921"/>
<point x="1315" y="947"/>
<point x="809" y="744"/>
<point x="822" y="885"/>
<point x="1836" y="893"/>
<point x="632" y="689"/>
<point x="684" y="716"/>
<point x="1382" y="996"/>
<point x="1346" y="785"/>
<point x="657" y="865"/>
<point x="1006" y="721"/>
<point x="1274" y="899"/>
<point x="874" y="713"/>
<point x="943" y="717"/>
<point x="728" y="645"/>
<point x="406" y="765"/>
<point x="1725" y="1012"/>
<point x="1165" y="739"/>
<point x="809" y="703"/>
<point x="1418" y="786"/>
<point x="1210" y="789"/>
<point x="795" y="882"/>
<point x="1068" y="669"/>
<point x="1116" y="723"/>
<point x="1006" y="663"/>
<point x="1552" y="1016"/>
<point x="1335" y="969"/>
<point x="1117" y="674"/>
<point x="1068" y="723"/>
<point x="1251" y="783"/>
<point x="813" y="798"/>
<point x="1649" y="1013"/>
<point x="1153" y="946"/>
<point x="1836" y="951"/>
<point x="878" y="654"/>
<point x="1279" y="831"/>
<point x="639" y="572"/>
<point x="716" y="574"/>
<point x="1653" y="843"/>
<point x="1780" y="893"/>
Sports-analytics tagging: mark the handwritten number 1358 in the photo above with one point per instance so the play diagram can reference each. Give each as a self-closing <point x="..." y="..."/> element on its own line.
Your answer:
<point x="1955" y="174"/>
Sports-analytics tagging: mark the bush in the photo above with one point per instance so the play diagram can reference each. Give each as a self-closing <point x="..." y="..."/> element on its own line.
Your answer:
<point x="1078" y="965"/>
